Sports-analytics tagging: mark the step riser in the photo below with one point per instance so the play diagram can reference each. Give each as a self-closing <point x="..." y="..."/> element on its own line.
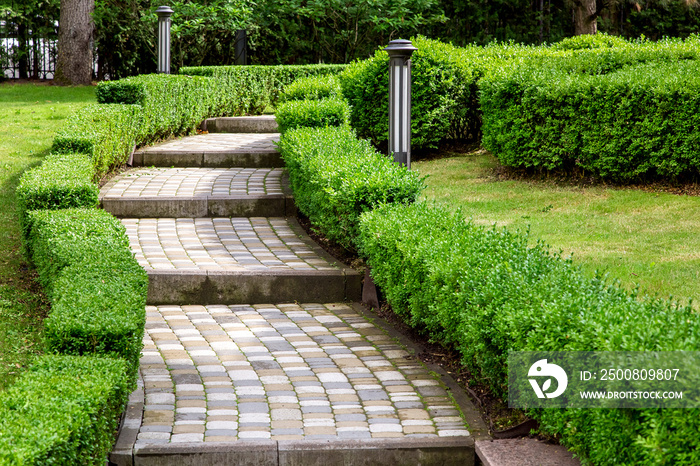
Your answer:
<point x="210" y="159"/>
<point x="263" y="206"/>
<point x="392" y="452"/>
<point x="251" y="288"/>
<point x="241" y="125"/>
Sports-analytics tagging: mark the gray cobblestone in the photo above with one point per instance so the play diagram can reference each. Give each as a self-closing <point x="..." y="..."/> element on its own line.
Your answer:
<point x="292" y="395"/>
<point x="219" y="244"/>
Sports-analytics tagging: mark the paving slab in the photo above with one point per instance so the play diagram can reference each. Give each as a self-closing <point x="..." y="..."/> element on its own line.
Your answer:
<point x="316" y="383"/>
<point x="523" y="452"/>
<point x="224" y="150"/>
<point x="236" y="260"/>
<point x="198" y="192"/>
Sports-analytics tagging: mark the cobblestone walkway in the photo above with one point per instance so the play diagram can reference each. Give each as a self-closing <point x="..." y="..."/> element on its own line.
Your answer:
<point x="219" y="142"/>
<point x="221" y="244"/>
<point x="222" y="367"/>
<point x="194" y="182"/>
<point x="284" y="372"/>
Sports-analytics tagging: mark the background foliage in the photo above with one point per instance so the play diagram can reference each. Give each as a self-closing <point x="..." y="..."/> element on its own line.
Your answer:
<point x="327" y="31"/>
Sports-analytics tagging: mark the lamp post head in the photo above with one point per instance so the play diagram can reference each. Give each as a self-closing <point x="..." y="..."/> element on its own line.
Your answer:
<point x="400" y="48"/>
<point x="164" y="11"/>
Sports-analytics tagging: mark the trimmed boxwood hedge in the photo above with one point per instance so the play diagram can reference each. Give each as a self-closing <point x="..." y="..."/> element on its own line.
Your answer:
<point x="444" y="92"/>
<point x="485" y="292"/>
<point x="312" y="88"/>
<point x="171" y="104"/>
<point x="106" y="133"/>
<point x="99" y="308"/>
<point x="335" y="177"/>
<point x="61" y="181"/>
<point x="590" y="41"/>
<point x="312" y="114"/>
<point x="64" y="410"/>
<point x="59" y="238"/>
<point x="628" y="124"/>
<point x="251" y="89"/>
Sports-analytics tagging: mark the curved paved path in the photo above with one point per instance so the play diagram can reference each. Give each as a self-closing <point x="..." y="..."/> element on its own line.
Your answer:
<point x="254" y="351"/>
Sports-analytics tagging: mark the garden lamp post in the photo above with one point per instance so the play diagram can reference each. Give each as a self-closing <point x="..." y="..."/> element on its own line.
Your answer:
<point x="400" y="52"/>
<point x="241" y="47"/>
<point x="164" y="13"/>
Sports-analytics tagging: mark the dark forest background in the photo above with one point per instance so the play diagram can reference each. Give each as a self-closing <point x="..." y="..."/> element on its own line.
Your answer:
<point x="326" y="31"/>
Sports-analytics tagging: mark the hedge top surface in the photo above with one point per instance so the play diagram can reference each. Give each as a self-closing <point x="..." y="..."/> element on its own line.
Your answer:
<point x="312" y="87"/>
<point x="63" y="410"/>
<point x="231" y="69"/>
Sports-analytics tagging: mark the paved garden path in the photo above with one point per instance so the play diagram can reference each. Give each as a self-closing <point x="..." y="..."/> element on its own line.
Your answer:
<point x="256" y="350"/>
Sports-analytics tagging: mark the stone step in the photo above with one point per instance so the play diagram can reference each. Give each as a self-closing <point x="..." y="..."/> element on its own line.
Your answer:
<point x="244" y="124"/>
<point x="236" y="260"/>
<point x="221" y="150"/>
<point x="523" y="452"/>
<point x="288" y="384"/>
<point x="199" y="192"/>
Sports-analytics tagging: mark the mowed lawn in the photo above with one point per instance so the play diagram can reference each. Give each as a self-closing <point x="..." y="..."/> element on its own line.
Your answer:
<point x="640" y="238"/>
<point x="30" y="114"/>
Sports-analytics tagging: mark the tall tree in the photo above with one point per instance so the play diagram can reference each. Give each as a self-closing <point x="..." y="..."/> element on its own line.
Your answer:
<point x="586" y="14"/>
<point x="75" y="28"/>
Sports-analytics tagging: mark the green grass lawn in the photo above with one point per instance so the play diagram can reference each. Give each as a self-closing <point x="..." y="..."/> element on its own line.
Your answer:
<point x="646" y="238"/>
<point x="30" y="114"/>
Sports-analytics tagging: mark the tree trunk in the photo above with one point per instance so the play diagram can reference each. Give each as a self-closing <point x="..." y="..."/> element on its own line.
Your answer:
<point x="23" y="51"/>
<point x="75" y="27"/>
<point x="585" y="17"/>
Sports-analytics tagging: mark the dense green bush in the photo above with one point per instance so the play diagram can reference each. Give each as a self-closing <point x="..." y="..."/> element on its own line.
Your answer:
<point x="444" y="94"/>
<point x="312" y="88"/>
<point x="589" y="41"/>
<point x="171" y="104"/>
<point x="485" y="292"/>
<point x="250" y="89"/>
<point x="312" y="113"/>
<point x="626" y="124"/>
<point x="99" y="308"/>
<point x="61" y="181"/>
<point x="106" y="133"/>
<point x="336" y="177"/>
<point x="64" y="410"/>
<point x="59" y="238"/>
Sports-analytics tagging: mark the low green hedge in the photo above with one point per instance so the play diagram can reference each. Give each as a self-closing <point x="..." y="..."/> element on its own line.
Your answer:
<point x="446" y="80"/>
<point x="63" y="411"/>
<point x="444" y="93"/>
<point x="312" y="88"/>
<point x="171" y="104"/>
<point x="251" y="89"/>
<point x="106" y="133"/>
<point x="61" y="181"/>
<point x="637" y="122"/>
<point x="485" y="292"/>
<point x="99" y="308"/>
<point x="59" y="238"/>
<point x="336" y="177"/>
<point x="312" y="113"/>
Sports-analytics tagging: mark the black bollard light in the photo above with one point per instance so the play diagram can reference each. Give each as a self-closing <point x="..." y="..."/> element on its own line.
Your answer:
<point x="164" y="13"/>
<point x="241" y="47"/>
<point x="400" y="52"/>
